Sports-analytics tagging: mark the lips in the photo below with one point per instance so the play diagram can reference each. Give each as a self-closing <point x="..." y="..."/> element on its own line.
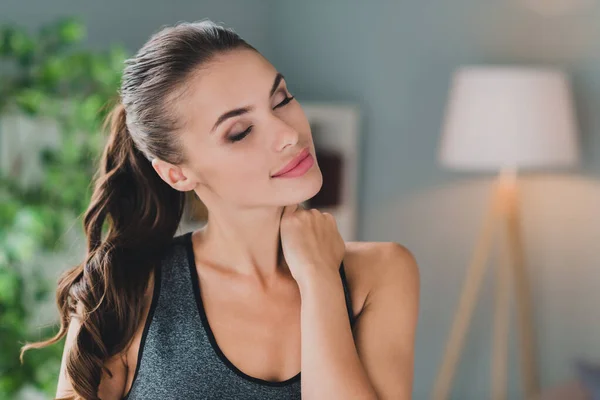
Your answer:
<point x="294" y="162"/>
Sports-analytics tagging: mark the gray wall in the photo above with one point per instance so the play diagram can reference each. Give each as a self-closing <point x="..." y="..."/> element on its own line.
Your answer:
<point x="395" y="59"/>
<point x="131" y="22"/>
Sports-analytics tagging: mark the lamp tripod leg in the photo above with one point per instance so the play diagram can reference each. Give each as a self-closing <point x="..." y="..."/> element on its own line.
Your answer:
<point x="501" y="322"/>
<point x="529" y="373"/>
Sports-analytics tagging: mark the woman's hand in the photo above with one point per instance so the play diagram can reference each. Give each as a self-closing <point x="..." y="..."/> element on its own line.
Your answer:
<point x="311" y="243"/>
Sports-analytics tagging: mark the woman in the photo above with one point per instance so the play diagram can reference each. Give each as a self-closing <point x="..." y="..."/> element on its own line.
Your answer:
<point x="266" y="288"/>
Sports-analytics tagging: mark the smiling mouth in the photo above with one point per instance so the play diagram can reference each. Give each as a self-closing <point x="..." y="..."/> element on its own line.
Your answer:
<point x="305" y="153"/>
<point x="299" y="169"/>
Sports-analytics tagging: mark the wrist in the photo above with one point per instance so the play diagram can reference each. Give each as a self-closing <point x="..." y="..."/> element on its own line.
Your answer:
<point x="319" y="279"/>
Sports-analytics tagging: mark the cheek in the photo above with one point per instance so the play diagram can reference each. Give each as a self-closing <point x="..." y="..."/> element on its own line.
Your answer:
<point x="237" y="175"/>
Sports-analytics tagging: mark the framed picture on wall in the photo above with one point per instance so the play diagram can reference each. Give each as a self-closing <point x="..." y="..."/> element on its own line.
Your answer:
<point x="336" y="134"/>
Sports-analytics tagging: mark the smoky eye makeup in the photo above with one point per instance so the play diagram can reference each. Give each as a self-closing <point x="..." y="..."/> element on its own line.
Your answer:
<point x="286" y="99"/>
<point x="236" y="137"/>
<point x="233" y="137"/>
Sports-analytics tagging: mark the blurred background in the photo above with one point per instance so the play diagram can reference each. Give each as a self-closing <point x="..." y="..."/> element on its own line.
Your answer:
<point x="392" y="63"/>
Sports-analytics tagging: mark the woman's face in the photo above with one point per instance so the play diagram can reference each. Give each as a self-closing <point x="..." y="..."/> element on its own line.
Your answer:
<point x="234" y="155"/>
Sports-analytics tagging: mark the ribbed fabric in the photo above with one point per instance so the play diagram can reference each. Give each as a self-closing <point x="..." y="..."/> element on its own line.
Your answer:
<point x="179" y="357"/>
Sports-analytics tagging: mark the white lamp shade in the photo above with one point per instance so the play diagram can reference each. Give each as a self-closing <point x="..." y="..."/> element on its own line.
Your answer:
<point x="509" y="117"/>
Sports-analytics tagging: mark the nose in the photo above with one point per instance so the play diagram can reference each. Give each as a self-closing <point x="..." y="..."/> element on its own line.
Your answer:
<point x="284" y="134"/>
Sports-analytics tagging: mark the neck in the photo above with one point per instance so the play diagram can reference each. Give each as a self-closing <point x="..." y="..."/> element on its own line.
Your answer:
<point x="245" y="242"/>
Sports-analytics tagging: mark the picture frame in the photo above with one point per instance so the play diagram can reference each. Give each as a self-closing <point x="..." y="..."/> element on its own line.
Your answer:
<point x="336" y="134"/>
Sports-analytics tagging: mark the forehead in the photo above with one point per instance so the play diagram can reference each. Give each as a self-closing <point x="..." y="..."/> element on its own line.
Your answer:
<point x="236" y="79"/>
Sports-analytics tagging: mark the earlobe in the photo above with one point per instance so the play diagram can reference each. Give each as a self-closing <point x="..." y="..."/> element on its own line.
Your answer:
<point x="185" y="185"/>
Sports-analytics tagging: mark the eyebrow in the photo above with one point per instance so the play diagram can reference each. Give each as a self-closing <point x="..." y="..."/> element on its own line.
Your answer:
<point x="243" y="110"/>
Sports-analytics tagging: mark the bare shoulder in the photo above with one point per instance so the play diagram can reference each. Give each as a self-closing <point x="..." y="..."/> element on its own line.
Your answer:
<point x="132" y="350"/>
<point x="111" y="386"/>
<point x="121" y="365"/>
<point x="370" y="266"/>
<point x="380" y="260"/>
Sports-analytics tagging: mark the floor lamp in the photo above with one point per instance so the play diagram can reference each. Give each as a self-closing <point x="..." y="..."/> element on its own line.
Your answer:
<point x="502" y="119"/>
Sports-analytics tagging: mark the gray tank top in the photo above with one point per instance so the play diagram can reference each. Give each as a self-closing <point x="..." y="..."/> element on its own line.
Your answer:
<point x="179" y="357"/>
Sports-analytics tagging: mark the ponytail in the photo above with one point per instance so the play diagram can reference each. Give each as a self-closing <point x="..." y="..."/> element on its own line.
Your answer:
<point x="143" y="213"/>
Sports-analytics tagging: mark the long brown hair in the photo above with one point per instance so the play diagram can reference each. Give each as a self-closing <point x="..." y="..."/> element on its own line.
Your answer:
<point x="142" y="212"/>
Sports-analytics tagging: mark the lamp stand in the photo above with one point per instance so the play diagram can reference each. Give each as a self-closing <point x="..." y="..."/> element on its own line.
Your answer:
<point x="503" y="210"/>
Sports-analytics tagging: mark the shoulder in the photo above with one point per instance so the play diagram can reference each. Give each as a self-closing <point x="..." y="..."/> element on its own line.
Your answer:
<point x="381" y="260"/>
<point x="111" y="384"/>
<point x="371" y="266"/>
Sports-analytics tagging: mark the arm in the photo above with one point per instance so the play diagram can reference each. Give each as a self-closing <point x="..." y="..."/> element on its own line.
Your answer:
<point x="385" y="330"/>
<point x="110" y="388"/>
<point x="378" y="363"/>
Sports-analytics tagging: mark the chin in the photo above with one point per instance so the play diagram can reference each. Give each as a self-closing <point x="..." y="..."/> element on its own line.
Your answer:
<point x="298" y="190"/>
<point x="315" y="187"/>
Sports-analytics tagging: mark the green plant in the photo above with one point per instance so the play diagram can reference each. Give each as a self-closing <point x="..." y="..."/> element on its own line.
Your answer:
<point x="48" y="76"/>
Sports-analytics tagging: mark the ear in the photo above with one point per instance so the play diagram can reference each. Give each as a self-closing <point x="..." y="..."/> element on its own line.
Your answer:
<point x="173" y="175"/>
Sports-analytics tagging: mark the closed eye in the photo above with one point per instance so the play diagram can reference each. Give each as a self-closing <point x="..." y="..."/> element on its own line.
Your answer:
<point x="240" y="136"/>
<point x="284" y="102"/>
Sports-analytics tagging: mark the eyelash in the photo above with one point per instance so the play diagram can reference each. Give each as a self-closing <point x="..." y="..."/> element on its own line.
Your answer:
<point x="240" y="136"/>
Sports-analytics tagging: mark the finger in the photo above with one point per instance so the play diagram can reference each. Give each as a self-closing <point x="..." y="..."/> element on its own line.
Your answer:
<point x="330" y="218"/>
<point x="287" y="210"/>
